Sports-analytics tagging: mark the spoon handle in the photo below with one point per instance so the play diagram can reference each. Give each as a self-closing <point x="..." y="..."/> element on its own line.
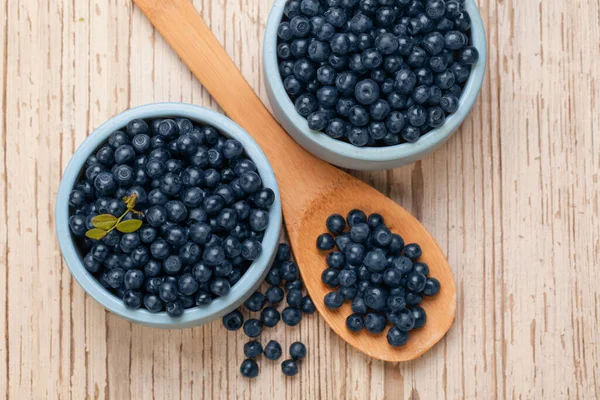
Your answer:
<point x="183" y="28"/>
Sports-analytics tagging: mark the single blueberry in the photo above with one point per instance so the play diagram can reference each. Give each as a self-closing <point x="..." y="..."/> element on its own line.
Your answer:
<point x="291" y="316"/>
<point x="272" y="350"/>
<point x="289" y="368"/>
<point x="274" y="295"/>
<point x="397" y="337"/>
<point x="333" y="300"/>
<point x="269" y="316"/>
<point x="375" y="323"/>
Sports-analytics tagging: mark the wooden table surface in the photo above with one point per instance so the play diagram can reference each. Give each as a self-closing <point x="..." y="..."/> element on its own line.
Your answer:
<point x="513" y="199"/>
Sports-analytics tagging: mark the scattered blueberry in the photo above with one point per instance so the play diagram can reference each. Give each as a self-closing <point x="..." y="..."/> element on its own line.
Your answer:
<point x="273" y="350"/>
<point x="289" y="367"/>
<point x="249" y="369"/>
<point x="297" y="350"/>
<point x="253" y="349"/>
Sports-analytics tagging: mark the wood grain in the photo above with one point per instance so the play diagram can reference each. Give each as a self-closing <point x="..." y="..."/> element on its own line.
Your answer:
<point x="311" y="189"/>
<point x="512" y="198"/>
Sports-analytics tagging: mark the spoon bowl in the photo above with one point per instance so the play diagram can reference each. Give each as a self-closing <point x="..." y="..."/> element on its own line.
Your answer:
<point x="310" y="188"/>
<point x="440" y="309"/>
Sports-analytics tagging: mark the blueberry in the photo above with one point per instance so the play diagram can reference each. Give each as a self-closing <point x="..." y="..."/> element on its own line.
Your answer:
<point x="132" y="299"/>
<point x="366" y="92"/>
<point x="416" y="115"/>
<point x="355" y="322"/>
<point x="421" y="268"/>
<point x="360" y="23"/>
<point x="283" y="252"/>
<point x="117" y="139"/>
<point x="397" y="337"/>
<point x="252" y="349"/>
<point x="289" y="368"/>
<point x="392" y="277"/>
<point x="374" y="323"/>
<point x="376" y="278"/>
<point x="269" y="317"/>
<point x="449" y="103"/>
<point x="335" y="260"/>
<point x="293" y="285"/>
<point x="274" y="295"/>
<point x="435" y="117"/>
<point x="335" y="16"/>
<point x="376" y="298"/>
<point x="220" y="287"/>
<point x="294" y="298"/>
<point x="153" y="303"/>
<point x="175" y="309"/>
<point x="203" y="299"/>
<point x="288" y="271"/>
<point x="462" y="21"/>
<point x="345" y="83"/>
<point x="251" y="249"/>
<point x="172" y="265"/>
<point x="112" y="261"/>
<point x="413" y="298"/>
<point x="255" y="302"/>
<point x="419" y="316"/>
<point x="435" y="9"/>
<point x="233" y="321"/>
<point x="318" y="52"/>
<point x="468" y="56"/>
<point x="460" y="72"/>
<point x="252" y="327"/>
<point x="153" y="268"/>
<point x="335" y="223"/>
<point x="297" y="350"/>
<point x="342" y="241"/>
<point x="325" y="242"/>
<point x="115" y="278"/>
<point x="333" y="300"/>
<point x="170" y="184"/>
<point x="411" y="134"/>
<point x="432" y="287"/>
<point x="416" y="281"/>
<point x="359" y="306"/>
<point x="396" y="302"/>
<point x="412" y="251"/>
<point x="307" y="305"/>
<point x="167" y="292"/>
<point x="175" y="235"/>
<point x="272" y="350"/>
<point x="291" y="316"/>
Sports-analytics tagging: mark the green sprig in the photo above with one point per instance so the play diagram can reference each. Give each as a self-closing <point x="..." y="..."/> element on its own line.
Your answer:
<point x="105" y="223"/>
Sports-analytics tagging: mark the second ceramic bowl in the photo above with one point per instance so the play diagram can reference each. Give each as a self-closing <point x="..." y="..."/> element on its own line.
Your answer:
<point x="344" y="154"/>
<point x="248" y="283"/>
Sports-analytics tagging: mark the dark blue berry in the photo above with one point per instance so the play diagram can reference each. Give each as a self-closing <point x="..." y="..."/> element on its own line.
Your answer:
<point x="291" y="316"/>
<point x="253" y="349"/>
<point x="419" y="316"/>
<point x="355" y="322"/>
<point x="272" y="350"/>
<point x="220" y="286"/>
<point x="252" y="327"/>
<point x="397" y="337"/>
<point x="255" y="302"/>
<point x="333" y="300"/>
<point x="432" y="287"/>
<point x="375" y="323"/>
<point x="269" y="316"/>
<point x="233" y="321"/>
<point x="153" y="303"/>
<point x="307" y="305"/>
<point x="132" y="299"/>
<point x="274" y="295"/>
<point x="289" y="368"/>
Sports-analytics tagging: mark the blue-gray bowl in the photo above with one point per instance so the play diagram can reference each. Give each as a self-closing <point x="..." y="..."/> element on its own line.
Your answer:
<point x="344" y="154"/>
<point x="193" y="316"/>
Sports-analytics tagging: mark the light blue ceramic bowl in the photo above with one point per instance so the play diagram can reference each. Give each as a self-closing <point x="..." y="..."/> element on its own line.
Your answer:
<point x="344" y="154"/>
<point x="197" y="315"/>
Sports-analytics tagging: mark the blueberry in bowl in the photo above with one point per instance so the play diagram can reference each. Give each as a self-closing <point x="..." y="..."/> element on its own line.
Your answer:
<point x="169" y="215"/>
<point x="373" y="84"/>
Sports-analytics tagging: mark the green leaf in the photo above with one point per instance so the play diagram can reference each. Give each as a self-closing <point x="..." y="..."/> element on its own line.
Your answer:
<point x="129" y="226"/>
<point x="104" y="221"/>
<point x="96" y="234"/>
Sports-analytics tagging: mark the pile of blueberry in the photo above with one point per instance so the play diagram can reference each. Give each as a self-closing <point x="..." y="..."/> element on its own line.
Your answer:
<point x="375" y="72"/>
<point x="284" y="282"/>
<point x="204" y="211"/>
<point x="378" y="273"/>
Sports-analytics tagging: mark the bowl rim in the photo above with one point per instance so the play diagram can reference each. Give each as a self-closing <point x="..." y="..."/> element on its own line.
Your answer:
<point x="196" y="315"/>
<point x="430" y="141"/>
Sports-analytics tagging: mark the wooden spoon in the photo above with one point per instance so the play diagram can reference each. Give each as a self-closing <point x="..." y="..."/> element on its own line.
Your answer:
<point x="311" y="189"/>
